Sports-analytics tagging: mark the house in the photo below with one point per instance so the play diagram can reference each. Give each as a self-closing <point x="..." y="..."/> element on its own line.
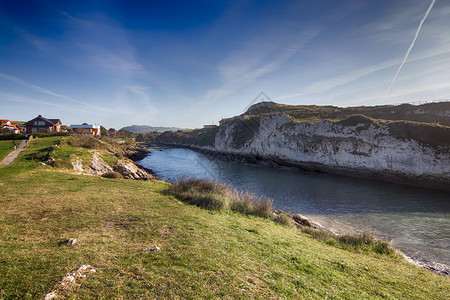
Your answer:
<point x="7" y="126"/>
<point x="86" y="129"/>
<point x="223" y="121"/>
<point x="41" y="124"/>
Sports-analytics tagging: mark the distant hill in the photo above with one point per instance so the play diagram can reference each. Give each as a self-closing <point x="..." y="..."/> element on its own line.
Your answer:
<point x="146" y="128"/>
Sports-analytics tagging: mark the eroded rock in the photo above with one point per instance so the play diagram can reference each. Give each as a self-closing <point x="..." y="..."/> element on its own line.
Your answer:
<point x="130" y="171"/>
<point x="98" y="166"/>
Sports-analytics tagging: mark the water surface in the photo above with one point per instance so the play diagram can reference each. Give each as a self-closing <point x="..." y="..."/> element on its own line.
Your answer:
<point x="415" y="220"/>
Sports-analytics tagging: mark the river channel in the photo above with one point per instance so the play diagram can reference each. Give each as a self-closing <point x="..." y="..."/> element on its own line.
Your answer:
<point x="414" y="220"/>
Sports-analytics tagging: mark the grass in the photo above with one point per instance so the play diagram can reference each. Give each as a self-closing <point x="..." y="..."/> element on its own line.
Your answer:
<point x="217" y="196"/>
<point x="204" y="254"/>
<point x="6" y="147"/>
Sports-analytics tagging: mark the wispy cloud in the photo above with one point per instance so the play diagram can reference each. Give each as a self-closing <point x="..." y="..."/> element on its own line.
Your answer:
<point x="39" y="89"/>
<point x="353" y="76"/>
<point x="410" y="46"/>
<point x="142" y="92"/>
<point x="23" y="99"/>
<point x="258" y="58"/>
<point x="103" y="44"/>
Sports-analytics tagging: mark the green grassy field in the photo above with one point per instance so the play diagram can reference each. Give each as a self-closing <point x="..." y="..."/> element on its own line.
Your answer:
<point x="6" y="147"/>
<point x="203" y="254"/>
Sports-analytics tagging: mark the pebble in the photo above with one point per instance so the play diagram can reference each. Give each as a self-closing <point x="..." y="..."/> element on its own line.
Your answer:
<point x="152" y="249"/>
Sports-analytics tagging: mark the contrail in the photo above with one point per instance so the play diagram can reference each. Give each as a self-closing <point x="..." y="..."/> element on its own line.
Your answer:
<point x="410" y="47"/>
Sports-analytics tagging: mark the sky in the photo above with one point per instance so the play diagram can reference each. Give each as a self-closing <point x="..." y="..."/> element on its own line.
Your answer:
<point x="191" y="63"/>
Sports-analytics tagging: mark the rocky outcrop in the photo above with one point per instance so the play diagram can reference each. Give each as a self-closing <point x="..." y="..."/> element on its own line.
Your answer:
<point x="130" y="171"/>
<point x="97" y="166"/>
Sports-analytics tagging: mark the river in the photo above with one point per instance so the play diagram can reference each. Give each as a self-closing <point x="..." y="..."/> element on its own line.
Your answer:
<point x="416" y="221"/>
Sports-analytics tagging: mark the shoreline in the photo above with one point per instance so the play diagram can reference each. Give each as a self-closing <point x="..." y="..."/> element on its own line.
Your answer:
<point x="425" y="182"/>
<point x="437" y="268"/>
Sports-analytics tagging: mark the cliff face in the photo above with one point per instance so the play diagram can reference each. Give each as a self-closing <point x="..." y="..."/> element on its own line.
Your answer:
<point x="326" y="145"/>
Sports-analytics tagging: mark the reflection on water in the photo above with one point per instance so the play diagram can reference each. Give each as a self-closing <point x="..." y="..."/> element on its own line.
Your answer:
<point x="415" y="220"/>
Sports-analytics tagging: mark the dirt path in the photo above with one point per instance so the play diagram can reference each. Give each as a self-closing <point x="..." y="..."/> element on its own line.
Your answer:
<point x="13" y="154"/>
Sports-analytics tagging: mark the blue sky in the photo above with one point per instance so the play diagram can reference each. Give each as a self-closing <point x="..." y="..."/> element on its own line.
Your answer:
<point x="189" y="63"/>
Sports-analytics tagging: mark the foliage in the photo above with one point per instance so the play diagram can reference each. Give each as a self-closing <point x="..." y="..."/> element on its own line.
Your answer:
<point x="204" y="194"/>
<point x="86" y="141"/>
<point x="9" y="136"/>
<point x="49" y="134"/>
<point x="284" y="219"/>
<point x="355" y="241"/>
<point x="217" y="196"/>
<point x="433" y="135"/>
<point x="201" y="137"/>
<point x="113" y="175"/>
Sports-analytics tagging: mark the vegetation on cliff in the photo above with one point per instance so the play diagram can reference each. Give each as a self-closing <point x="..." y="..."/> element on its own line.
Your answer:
<point x="144" y="243"/>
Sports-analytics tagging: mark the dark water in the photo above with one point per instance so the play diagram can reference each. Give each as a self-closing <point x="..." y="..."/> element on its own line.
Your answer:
<point x="416" y="221"/>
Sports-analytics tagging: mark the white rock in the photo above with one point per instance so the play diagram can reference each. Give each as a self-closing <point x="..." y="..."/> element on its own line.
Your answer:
<point x="50" y="296"/>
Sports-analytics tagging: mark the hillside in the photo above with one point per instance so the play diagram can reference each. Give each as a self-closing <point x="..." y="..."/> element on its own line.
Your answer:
<point x="146" y="128"/>
<point x="134" y="241"/>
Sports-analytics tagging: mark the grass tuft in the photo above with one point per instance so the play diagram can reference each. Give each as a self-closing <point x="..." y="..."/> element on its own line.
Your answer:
<point x="204" y="194"/>
<point x="112" y="175"/>
<point x="217" y="196"/>
<point x="353" y="241"/>
<point x="284" y="220"/>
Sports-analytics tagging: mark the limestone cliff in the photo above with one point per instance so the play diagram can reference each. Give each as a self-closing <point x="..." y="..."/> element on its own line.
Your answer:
<point x="362" y="148"/>
<point x="403" y="143"/>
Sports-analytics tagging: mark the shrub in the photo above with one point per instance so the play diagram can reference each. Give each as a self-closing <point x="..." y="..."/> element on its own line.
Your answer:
<point x="204" y="194"/>
<point x="355" y="241"/>
<point x="284" y="220"/>
<point x="113" y="175"/>
<point x="11" y="136"/>
<point x="366" y="241"/>
<point x="249" y="204"/>
<point x="217" y="196"/>
<point x="86" y="141"/>
<point x="49" y="134"/>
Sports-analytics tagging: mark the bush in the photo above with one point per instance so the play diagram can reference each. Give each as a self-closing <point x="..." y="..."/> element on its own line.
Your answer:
<point x="250" y="204"/>
<point x="284" y="220"/>
<point x="355" y="241"/>
<point x="86" y="141"/>
<point x="113" y="175"/>
<point x="11" y="136"/>
<point x="204" y="194"/>
<point x="40" y="156"/>
<point x="217" y="196"/>
<point x="49" y="134"/>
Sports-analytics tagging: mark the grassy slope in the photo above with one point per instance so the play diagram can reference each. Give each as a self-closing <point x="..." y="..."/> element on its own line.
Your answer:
<point x="6" y="147"/>
<point x="203" y="254"/>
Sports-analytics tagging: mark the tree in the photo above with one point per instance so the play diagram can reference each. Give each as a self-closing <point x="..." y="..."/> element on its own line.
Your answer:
<point x="102" y="131"/>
